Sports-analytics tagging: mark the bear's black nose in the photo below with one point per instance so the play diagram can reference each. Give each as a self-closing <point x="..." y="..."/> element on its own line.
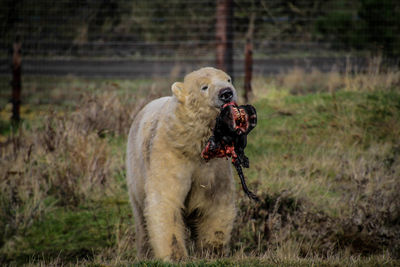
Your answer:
<point x="225" y="95"/>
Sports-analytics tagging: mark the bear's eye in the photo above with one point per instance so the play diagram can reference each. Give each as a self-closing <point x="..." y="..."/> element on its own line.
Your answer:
<point x="229" y="80"/>
<point x="205" y="87"/>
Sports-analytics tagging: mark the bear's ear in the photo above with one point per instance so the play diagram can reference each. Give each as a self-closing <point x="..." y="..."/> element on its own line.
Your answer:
<point x="178" y="91"/>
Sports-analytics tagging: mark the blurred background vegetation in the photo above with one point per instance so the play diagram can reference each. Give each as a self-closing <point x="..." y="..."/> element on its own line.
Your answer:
<point x="122" y="27"/>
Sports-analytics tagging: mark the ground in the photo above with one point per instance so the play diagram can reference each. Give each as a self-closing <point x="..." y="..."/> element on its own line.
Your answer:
<point x="325" y="159"/>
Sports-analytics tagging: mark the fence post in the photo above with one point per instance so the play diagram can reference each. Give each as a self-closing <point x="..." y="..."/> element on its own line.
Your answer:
<point x="16" y="81"/>
<point x="248" y="62"/>
<point x="224" y="36"/>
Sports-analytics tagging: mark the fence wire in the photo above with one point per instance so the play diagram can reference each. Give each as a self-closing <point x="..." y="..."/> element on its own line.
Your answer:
<point x="133" y="38"/>
<point x="125" y="28"/>
<point x="106" y="39"/>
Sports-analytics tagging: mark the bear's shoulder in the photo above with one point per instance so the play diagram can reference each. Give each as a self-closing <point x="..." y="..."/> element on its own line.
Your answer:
<point x="157" y="104"/>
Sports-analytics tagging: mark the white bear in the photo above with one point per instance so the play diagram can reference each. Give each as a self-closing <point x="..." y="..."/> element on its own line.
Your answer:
<point x="176" y="196"/>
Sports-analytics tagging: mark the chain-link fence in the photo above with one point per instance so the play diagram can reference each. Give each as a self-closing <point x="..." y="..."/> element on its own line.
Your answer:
<point x="130" y="38"/>
<point x="157" y="38"/>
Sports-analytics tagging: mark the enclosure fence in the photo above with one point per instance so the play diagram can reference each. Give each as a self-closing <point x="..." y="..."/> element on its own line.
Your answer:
<point x="106" y="39"/>
<point x="144" y="37"/>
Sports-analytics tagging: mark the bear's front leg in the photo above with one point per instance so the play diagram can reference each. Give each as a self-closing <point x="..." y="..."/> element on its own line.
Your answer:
<point x="218" y="211"/>
<point x="166" y="189"/>
<point x="214" y="229"/>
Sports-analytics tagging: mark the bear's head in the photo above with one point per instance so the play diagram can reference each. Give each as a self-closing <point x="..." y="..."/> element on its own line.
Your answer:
<point x="205" y="90"/>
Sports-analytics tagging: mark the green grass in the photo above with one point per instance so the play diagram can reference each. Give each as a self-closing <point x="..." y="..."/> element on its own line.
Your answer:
<point x="73" y="233"/>
<point x="312" y="127"/>
<point x="317" y="161"/>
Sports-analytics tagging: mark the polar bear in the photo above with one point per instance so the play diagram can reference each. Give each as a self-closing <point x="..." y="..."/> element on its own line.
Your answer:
<point x="177" y="198"/>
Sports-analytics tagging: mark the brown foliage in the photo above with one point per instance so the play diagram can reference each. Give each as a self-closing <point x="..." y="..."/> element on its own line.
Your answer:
<point x="65" y="159"/>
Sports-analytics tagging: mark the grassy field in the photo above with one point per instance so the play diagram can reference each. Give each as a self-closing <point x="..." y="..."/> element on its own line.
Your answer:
<point x="325" y="159"/>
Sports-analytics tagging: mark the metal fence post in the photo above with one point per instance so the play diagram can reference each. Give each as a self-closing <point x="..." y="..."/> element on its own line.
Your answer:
<point x="248" y="62"/>
<point x="224" y="36"/>
<point x="16" y="81"/>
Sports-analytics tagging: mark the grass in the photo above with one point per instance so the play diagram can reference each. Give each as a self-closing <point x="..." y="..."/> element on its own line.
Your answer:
<point x="325" y="159"/>
<point x="323" y="127"/>
<point x="328" y="158"/>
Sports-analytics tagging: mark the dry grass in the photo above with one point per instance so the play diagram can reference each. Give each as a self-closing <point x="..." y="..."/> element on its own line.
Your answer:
<point x="64" y="160"/>
<point x="328" y="165"/>
<point x="325" y="160"/>
<point x="298" y="81"/>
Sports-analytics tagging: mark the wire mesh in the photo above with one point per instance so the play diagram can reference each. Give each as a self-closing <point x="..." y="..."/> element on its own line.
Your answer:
<point x="133" y="38"/>
<point x="115" y="28"/>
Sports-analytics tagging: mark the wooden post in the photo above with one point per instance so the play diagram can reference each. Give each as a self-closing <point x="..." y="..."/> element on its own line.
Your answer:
<point x="248" y="62"/>
<point x="224" y="35"/>
<point x="16" y="81"/>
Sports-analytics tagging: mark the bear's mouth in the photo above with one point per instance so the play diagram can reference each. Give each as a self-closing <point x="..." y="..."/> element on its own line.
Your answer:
<point x="226" y="95"/>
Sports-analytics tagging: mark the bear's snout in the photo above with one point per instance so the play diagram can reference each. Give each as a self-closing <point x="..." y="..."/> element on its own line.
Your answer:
<point x="225" y="95"/>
